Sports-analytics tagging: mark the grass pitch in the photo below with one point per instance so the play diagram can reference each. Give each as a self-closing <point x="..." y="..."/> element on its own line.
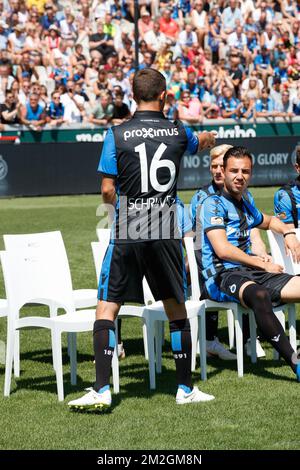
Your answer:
<point x="259" y="411"/>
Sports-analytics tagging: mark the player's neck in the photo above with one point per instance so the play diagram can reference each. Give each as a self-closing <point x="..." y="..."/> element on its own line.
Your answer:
<point x="149" y="106"/>
<point x="237" y="196"/>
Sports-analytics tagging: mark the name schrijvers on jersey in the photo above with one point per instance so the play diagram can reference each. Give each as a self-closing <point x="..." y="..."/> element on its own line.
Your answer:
<point x="150" y="132"/>
<point x="141" y="203"/>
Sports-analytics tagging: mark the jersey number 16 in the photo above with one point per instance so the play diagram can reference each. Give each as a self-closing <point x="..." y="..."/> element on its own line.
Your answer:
<point x="156" y="163"/>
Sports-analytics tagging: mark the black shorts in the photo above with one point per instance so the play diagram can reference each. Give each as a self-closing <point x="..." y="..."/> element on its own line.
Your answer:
<point x="125" y="265"/>
<point x="230" y="282"/>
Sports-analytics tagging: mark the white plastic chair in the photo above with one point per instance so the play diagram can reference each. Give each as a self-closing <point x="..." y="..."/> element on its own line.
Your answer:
<point x="233" y="307"/>
<point x="36" y="276"/>
<point x="277" y="247"/>
<point x="3" y="308"/>
<point x="83" y="298"/>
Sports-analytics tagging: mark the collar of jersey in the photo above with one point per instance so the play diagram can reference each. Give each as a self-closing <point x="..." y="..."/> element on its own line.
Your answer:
<point x="216" y="189"/>
<point x="230" y="198"/>
<point x="149" y="113"/>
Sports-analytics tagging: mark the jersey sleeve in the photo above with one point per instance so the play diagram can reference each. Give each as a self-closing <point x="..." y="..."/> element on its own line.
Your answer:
<point x="196" y="201"/>
<point x="183" y="220"/>
<point x="193" y="141"/>
<point x="283" y="206"/>
<point x="108" y="159"/>
<point x="212" y="214"/>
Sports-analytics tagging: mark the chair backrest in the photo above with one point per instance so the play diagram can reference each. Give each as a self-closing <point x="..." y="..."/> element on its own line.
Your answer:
<point x="277" y="247"/>
<point x="103" y="235"/>
<point x="189" y="246"/>
<point x="99" y="250"/>
<point x="43" y="241"/>
<point x="295" y="267"/>
<point x="148" y="297"/>
<point x="36" y="275"/>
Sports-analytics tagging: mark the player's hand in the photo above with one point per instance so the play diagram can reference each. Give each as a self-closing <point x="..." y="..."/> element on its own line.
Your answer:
<point x="272" y="267"/>
<point x="292" y="246"/>
<point x="265" y="258"/>
<point x="207" y="139"/>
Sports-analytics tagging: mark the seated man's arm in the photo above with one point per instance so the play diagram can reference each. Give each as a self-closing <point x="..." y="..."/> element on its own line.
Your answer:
<point x="229" y="252"/>
<point x="258" y="247"/>
<point x="292" y="244"/>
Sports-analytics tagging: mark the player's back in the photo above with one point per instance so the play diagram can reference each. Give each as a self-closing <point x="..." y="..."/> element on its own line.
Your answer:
<point x="149" y="149"/>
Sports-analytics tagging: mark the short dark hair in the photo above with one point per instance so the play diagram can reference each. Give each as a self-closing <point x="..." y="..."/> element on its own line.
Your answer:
<point x="298" y="155"/>
<point x="237" y="152"/>
<point x="148" y="84"/>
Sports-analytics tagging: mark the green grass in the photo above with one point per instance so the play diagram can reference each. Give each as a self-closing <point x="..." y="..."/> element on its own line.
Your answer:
<point x="260" y="411"/>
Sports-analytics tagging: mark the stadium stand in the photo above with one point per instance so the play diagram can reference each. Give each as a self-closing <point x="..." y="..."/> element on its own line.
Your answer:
<point x="234" y="59"/>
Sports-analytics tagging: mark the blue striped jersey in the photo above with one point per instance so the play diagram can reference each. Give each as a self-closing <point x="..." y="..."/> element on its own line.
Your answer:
<point x="237" y="218"/>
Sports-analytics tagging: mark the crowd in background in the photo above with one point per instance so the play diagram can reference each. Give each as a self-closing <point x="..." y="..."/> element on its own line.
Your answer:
<point x="69" y="62"/>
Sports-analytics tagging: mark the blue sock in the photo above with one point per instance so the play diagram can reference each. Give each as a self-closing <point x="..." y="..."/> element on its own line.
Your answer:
<point x="298" y="372"/>
<point x="185" y="388"/>
<point x="103" y="389"/>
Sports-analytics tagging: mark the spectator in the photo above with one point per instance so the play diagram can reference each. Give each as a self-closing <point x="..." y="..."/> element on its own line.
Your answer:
<point x="154" y="38"/>
<point x="32" y="114"/>
<point x="78" y="57"/>
<point x="101" y="43"/>
<point x="230" y="15"/>
<point x="187" y="37"/>
<point x="199" y="20"/>
<point x="103" y="111"/>
<point x="264" y="106"/>
<point x="68" y="28"/>
<point x="275" y="92"/>
<point x="190" y="109"/>
<point x="262" y="64"/>
<point x="284" y="108"/>
<point x="253" y="91"/>
<point x="102" y="83"/>
<point x="246" y="108"/>
<point x="9" y="110"/>
<point x="170" y="108"/>
<point x="145" y="23"/>
<point x="16" y="43"/>
<point x="73" y="104"/>
<point x="191" y="85"/>
<point x="26" y="69"/>
<point x="48" y="19"/>
<point x="6" y="81"/>
<point x="228" y="104"/>
<point x="56" y="110"/>
<point x="168" y="26"/>
<point x="3" y="35"/>
<point x="120" y="109"/>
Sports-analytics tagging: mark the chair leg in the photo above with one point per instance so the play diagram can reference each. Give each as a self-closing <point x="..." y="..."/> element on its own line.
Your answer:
<point x="145" y="340"/>
<point x="69" y="343"/>
<point x="115" y="364"/>
<point x="159" y="331"/>
<point x="202" y="344"/>
<point x="194" y="338"/>
<point x="150" y="342"/>
<point x="9" y="360"/>
<point x="57" y="353"/>
<point x="292" y="325"/>
<point x="230" y="323"/>
<point x="73" y="358"/>
<point x="281" y="317"/>
<point x="252" y="324"/>
<point x="17" y="354"/>
<point x="239" y="343"/>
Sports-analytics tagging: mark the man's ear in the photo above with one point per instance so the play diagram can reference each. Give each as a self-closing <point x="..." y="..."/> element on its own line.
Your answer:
<point x="297" y="167"/>
<point x="162" y="96"/>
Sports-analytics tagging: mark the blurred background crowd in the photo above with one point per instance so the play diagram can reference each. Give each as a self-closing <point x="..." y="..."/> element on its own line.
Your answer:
<point x="72" y="62"/>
